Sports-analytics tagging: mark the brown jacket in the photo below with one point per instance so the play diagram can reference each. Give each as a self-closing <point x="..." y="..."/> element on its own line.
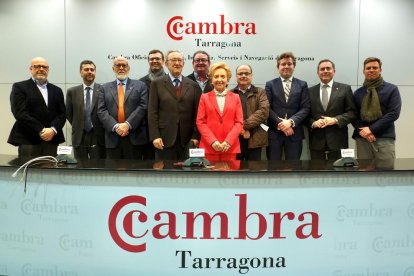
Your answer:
<point x="257" y="113"/>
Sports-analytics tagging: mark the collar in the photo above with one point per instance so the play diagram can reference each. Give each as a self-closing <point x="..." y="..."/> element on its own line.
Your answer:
<point x="91" y="86"/>
<point x="124" y="82"/>
<point x="330" y="84"/>
<point x="221" y="94"/>
<point x="197" y="76"/>
<point x="39" y="84"/>
<point x="291" y="79"/>
<point x="172" y="78"/>
<point x="244" y="91"/>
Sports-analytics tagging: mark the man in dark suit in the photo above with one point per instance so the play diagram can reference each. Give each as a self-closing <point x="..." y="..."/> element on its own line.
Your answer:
<point x="289" y="106"/>
<point x="88" y="138"/>
<point x="121" y="108"/>
<point x="332" y="109"/>
<point x="39" y="109"/>
<point x="156" y="69"/>
<point x="201" y="65"/>
<point x="172" y="111"/>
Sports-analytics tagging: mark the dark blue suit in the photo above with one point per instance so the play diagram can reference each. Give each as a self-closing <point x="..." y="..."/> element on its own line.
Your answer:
<point x="135" y="106"/>
<point x="296" y="108"/>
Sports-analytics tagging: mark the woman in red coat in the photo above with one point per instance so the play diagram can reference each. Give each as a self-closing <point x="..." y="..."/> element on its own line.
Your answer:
<point x="220" y="117"/>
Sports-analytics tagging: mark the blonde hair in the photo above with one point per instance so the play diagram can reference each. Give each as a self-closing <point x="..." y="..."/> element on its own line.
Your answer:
<point x="220" y="65"/>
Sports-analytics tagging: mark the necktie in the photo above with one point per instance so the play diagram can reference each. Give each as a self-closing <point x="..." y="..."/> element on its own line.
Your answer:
<point x="177" y="87"/>
<point x="325" y="98"/>
<point x="88" y="119"/>
<point x="287" y="89"/>
<point x="176" y="82"/>
<point x="121" y="95"/>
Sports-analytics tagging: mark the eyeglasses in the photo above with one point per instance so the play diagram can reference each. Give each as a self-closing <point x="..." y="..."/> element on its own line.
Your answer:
<point x="244" y="74"/>
<point x="201" y="60"/>
<point x="175" y="60"/>
<point x="38" y="66"/>
<point x="119" y="65"/>
<point x="155" y="59"/>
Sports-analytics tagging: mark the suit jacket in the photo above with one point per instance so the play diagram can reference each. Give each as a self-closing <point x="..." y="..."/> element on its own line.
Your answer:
<point x="75" y="112"/>
<point x="297" y="108"/>
<point x="208" y="86"/>
<point x="216" y="127"/>
<point x="32" y="114"/>
<point x="169" y="115"/>
<point x="135" y="107"/>
<point x="341" y="105"/>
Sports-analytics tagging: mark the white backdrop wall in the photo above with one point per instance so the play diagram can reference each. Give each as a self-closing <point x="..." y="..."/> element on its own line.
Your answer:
<point x="346" y="31"/>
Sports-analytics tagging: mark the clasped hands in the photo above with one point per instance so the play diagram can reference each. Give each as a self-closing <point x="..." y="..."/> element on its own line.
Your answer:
<point x="285" y="125"/>
<point x="47" y="134"/>
<point x="223" y="147"/>
<point x="324" y="121"/>
<point x="122" y="129"/>
<point x="365" y="132"/>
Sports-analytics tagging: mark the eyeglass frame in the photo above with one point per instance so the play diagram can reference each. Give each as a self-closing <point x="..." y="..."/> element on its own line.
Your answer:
<point x="39" y="66"/>
<point x="119" y="65"/>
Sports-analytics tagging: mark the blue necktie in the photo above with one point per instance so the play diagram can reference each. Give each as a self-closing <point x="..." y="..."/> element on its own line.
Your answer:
<point x="88" y="119"/>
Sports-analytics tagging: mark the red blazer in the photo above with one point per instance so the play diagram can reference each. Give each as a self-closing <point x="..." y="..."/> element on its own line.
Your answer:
<point x="213" y="126"/>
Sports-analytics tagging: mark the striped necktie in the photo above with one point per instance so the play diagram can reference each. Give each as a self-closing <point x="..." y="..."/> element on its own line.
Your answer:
<point x="286" y="87"/>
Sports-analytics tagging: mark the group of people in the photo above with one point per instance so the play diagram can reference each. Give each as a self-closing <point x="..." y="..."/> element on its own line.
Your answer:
<point x="163" y="114"/>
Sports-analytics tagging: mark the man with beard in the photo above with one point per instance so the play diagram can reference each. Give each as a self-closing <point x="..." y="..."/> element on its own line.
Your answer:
<point x="379" y="105"/>
<point x="39" y="109"/>
<point x="121" y="108"/>
<point x="156" y="69"/>
<point x="88" y="138"/>
<point x="201" y="65"/>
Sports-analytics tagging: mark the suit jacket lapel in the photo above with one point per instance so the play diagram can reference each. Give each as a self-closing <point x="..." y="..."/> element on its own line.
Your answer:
<point x="184" y="87"/>
<point x="316" y="94"/>
<point x="213" y="99"/>
<point x="114" y="91"/>
<point x="279" y="83"/>
<point x="95" y="96"/>
<point x="334" y="94"/>
<point x="50" y="96"/>
<point x="128" y="88"/>
<point x="169" y="86"/>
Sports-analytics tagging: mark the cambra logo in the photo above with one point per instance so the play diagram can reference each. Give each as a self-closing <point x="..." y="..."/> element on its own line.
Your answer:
<point x="307" y="224"/>
<point x="177" y="27"/>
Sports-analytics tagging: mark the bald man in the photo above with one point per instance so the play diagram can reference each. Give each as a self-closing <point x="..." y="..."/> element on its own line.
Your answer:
<point x="39" y="109"/>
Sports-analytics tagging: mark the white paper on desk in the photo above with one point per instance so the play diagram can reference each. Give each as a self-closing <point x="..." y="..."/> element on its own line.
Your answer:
<point x="348" y="153"/>
<point x="265" y="127"/>
<point x="64" y="150"/>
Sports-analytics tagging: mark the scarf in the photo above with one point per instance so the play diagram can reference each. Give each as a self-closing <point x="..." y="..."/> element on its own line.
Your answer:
<point x="371" y="107"/>
<point x="153" y="75"/>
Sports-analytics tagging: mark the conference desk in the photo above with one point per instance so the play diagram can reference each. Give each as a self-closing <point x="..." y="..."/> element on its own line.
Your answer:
<point x="124" y="217"/>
